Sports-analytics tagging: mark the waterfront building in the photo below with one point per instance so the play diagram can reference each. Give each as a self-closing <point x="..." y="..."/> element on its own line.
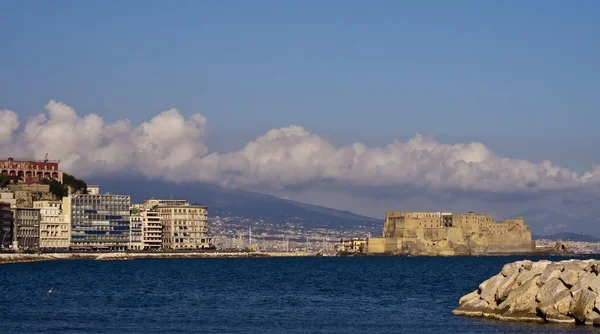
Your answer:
<point x="26" y="228"/>
<point x="31" y="171"/>
<point x="6" y="225"/>
<point x="55" y="231"/>
<point x="184" y="226"/>
<point x="98" y="222"/>
<point x="152" y="230"/>
<point x="135" y="232"/>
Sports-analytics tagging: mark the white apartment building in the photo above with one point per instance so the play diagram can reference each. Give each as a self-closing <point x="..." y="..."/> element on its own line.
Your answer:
<point x="152" y="230"/>
<point x="55" y="230"/>
<point x="135" y="232"/>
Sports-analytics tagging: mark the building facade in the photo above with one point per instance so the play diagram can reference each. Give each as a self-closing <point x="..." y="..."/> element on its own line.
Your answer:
<point x="31" y="171"/>
<point x="135" y="232"/>
<point x="98" y="222"/>
<point x="55" y="231"/>
<point x="6" y="226"/>
<point x="26" y="228"/>
<point x="184" y="226"/>
<point x="152" y="230"/>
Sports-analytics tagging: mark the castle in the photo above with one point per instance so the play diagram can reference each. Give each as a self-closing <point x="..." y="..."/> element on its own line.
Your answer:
<point x="440" y="233"/>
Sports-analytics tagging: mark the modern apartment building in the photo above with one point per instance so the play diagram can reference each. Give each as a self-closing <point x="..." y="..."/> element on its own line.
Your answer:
<point x="152" y="230"/>
<point x="6" y="225"/>
<point x="184" y="226"/>
<point x="98" y="221"/>
<point x="26" y="228"/>
<point x="135" y="234"/>
<point x="55" y="231"/>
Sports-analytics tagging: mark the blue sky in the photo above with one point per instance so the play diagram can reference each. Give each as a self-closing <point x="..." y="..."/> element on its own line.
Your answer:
<point x="520" y="77"/>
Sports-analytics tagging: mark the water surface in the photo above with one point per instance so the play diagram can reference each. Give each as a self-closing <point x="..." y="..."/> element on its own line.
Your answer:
<point x="279" y="295"/>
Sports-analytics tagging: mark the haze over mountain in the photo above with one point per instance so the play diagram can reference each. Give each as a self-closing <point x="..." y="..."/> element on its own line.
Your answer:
<point x="547" y="222"/>
<point x="239" y="203"/>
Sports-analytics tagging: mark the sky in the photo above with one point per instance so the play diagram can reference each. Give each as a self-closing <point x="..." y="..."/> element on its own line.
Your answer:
<point x="357" y="105"/>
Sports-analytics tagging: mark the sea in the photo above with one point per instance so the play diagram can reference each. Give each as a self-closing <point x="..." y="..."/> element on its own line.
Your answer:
<point x="260" y="295"/>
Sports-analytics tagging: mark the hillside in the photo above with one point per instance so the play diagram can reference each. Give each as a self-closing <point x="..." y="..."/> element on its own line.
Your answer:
<point x="569" y="236"/>
<point x="239" y="203"/>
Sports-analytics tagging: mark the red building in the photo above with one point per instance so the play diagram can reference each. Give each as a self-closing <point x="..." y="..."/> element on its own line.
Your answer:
<point x="32" y="171"/>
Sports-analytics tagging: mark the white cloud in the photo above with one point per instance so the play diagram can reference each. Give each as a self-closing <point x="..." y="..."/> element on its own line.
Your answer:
<point x="171" y="147"/>
<point x="9" y="123"/>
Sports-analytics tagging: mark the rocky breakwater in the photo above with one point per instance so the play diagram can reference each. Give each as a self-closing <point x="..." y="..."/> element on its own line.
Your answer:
<point x="544" y="291"/>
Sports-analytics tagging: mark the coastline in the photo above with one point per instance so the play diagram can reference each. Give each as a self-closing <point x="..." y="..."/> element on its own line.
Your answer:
<point x="6" y="258"/>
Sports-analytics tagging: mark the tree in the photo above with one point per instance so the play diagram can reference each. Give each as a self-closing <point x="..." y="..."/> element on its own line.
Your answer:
<point x="56" y="188"/>
<point x="75" y="184"/>
<point x="3" y="180"/>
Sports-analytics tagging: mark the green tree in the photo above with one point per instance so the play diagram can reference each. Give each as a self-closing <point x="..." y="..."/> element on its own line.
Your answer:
<point x="56" y="188"/>
<point x="3" y="180"/>
<point x="75" y="184"/>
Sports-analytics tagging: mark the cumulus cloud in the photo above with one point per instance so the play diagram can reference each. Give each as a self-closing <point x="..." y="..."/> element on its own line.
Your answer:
<point x="171" y="147"/>
<point x="9" y="123"/>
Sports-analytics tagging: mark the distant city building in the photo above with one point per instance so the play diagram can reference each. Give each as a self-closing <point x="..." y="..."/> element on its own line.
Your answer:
<point x="353" y="245"/>
<point x="152" y="230"/>
<point x="93" y="190"/>
<point x="151" y="203"/>
<point x="185" y="226"/>
<point x="7" y="196"/>
<point x="26" y="228"/>
<point x="6" y="225"/>
<point x="55" y="231"/>
<point x="31" y="171"/>
<point x="98" y="221"/>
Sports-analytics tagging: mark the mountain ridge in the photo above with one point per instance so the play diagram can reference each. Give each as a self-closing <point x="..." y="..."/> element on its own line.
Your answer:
<point x="238" y="202"/>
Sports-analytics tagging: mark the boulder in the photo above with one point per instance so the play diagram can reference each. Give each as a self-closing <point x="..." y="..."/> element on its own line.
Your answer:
<point x="569" y="277"/>
<point x="559" y="292"/>
<point x="468" y="297"/>
<point x="554" y="317"/>
<point x="521" y="299"/>
<point x="549" y="290"/>
<point x="559" y="303"/>
<point x="507" y="285"/>
<point x="584" y="282"/>
<point x="510" y="268"/>
<point x="582" y="304"/>
<point x="474" y="308"/>
<point x="488" y="293"/>
<point x="549" y="274"/>
<point x="591" y="317"/>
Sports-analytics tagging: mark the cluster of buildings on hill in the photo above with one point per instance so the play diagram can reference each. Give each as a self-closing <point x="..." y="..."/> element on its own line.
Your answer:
<point x="441" y="233"/>
<point x="31" y="218"/>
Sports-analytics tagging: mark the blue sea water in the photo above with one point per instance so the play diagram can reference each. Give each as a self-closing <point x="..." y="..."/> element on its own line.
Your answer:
<point x="276" y="295"/>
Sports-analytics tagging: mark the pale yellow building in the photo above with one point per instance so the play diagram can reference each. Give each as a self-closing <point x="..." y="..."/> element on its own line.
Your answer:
<point x="55" y="230"/>
<point x="184" y="226"/>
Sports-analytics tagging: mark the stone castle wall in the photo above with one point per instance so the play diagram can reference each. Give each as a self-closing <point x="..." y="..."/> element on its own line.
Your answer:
<point x="433" y="233"/>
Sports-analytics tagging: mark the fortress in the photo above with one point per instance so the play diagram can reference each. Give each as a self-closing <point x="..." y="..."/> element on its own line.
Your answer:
<point x="440" y="233"/>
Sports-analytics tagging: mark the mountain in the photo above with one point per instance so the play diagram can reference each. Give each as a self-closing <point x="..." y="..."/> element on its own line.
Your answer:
<point x="568" y="236"/>
<point x="547" y="222"/>
<point x="238" y="203"/>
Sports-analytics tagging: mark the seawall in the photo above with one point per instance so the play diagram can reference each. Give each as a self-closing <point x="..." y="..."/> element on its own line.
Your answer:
<point x="19" y="258"/>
